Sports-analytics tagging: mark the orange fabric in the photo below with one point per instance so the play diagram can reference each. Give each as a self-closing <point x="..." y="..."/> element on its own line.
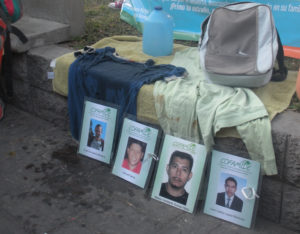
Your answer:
<point x="293" y="52"/>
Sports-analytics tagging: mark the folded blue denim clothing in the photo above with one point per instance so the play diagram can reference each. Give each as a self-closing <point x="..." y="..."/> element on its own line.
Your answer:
<point x="103" y="75"/>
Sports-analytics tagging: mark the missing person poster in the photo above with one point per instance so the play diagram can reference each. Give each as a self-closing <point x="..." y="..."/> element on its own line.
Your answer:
<point x="135" y="152"/>
<point x="97" y="131"/>
<point x="179" y="173"/>
<point x="232" y="186"/>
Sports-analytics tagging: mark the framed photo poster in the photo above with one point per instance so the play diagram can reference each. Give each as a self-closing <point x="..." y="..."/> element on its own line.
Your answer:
<point x="180" y="173"/>
<point x="134" y="158"/>
<point x="232" y="186"/>
<point x="97" y="131"/>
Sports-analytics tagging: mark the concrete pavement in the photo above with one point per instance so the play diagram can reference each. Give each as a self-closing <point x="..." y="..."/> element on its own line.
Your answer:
<point x="47" y="188"/>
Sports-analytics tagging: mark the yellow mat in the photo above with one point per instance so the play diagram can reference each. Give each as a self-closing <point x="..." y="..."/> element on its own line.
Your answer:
<point x="129" y="47"/>
<point x="276" y="96"/>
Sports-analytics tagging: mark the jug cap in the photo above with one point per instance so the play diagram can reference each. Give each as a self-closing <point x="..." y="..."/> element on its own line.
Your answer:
<point x="158" y="8"/>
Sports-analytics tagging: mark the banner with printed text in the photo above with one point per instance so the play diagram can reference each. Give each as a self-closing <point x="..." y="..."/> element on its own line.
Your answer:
<point x="189" y="14"/>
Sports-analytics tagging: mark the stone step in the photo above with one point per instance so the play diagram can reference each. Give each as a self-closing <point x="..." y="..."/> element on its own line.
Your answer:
<point x="40" y="32"/>
<point x="280" y="195"/>
<point x="32" y="88"/>
<point x="70" y="12"/>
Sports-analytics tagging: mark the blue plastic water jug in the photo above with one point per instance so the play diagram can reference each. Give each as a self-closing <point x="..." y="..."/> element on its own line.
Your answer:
<point x="158" y="33"/>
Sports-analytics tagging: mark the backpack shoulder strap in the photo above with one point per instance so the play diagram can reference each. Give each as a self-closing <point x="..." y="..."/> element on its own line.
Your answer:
<point x="279" y="74"/>
<point x="203" y="29"/>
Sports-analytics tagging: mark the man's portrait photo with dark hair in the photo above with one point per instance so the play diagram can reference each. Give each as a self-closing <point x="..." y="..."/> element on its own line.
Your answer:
<point x="179" y="171"/>
<point x="229" y="198"/>
<point x="95" y="138"/>
<point x="134" y="155"/>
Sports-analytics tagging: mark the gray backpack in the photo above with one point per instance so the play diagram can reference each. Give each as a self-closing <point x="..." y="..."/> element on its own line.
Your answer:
<point x="239" y="45"/>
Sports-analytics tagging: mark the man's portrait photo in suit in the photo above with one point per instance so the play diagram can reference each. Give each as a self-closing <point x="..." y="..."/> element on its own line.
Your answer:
<point x="229" y="199"/>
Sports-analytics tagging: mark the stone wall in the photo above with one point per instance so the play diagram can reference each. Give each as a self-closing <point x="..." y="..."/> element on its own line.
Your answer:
<point x="70" y="12"/>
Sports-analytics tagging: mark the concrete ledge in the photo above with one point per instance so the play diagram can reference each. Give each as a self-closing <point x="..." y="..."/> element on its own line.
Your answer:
<point x="280" y="194"/>
<point x="33" y="89"/>
<point x="280" y="143"/>
<point x="271" y="199"/>
<point x="69" y="12"/>
<point x="291" y="207"/>
<point x="33" y="66"/>
<point x="46" y="105"/>
<point x="292" y="161"/>
<point x="39" y="32"/>
<point x="286" y="141"/>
